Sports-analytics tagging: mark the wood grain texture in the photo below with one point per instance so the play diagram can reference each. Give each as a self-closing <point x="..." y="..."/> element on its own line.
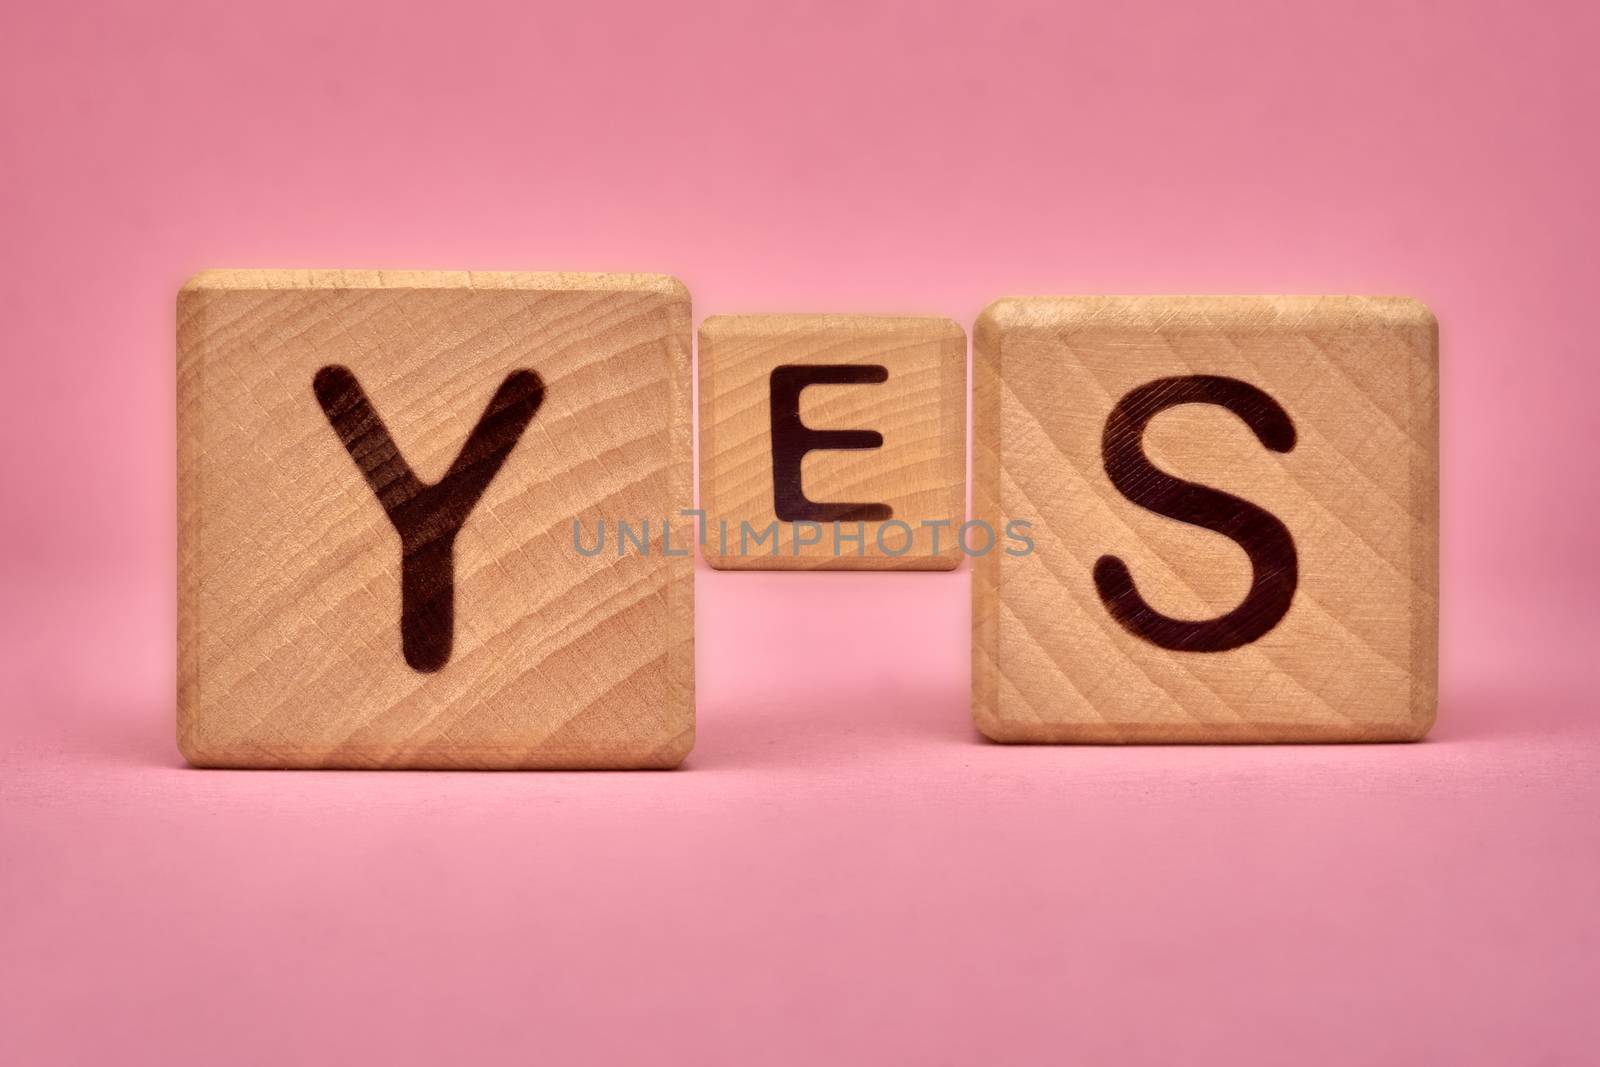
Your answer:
<point x="919" y="472"/>
<point x="289" y="569"/>
<point x="1355" y="656"/>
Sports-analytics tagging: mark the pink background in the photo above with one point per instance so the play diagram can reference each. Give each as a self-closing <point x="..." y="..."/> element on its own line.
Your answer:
<point x="842" y="872"/>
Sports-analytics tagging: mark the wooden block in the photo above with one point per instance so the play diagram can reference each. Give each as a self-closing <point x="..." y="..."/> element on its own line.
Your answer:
<point x="832" y="442"/>
<point x="378" y="479"/>
<point x="1234" y="509"/>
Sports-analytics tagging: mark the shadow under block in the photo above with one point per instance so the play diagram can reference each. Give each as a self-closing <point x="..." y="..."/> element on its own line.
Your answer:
<point x="844" y="433"/>
<point x="1277" y="579"/>
<point x="490" y="411"/>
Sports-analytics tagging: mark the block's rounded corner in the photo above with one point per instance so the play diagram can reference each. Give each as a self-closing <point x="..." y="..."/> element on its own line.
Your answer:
<point x="719" y="561"/>
<point x="948" y="329"/>
<point x="195" y="752"/>
<point x="1406" y="311"/>
<point x="201" y="286"/>
<point x="208" y="278"/>
<point x="717" y="327"/>
<point x="1419" y="730"/>
<point x="993" y="727"/>
<point x="1003" y="314"/>
<point x="670" y="757"/>
<point x="670" y="286"/>
<point x="1411" y="319"/>
<point x="1424" y="715"/>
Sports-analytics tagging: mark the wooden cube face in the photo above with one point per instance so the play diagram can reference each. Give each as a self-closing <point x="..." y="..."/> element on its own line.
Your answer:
<point x="832" y="442"/>
<point x="379" y="475"/>
<point x="1233" y="510"/>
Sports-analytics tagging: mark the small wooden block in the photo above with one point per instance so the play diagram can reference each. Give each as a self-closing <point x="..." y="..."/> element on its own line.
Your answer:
<point x="1234" y="509"/>
<point x="841" y="436"/>
<point x="378" y="479"/>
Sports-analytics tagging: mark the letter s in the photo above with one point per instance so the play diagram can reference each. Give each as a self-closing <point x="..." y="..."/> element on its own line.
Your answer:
<point x="1274" y="565"/>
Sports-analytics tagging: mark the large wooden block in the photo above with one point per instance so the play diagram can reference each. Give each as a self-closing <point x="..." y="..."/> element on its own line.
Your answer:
<point x="378" y="479"/>
<point x="832" y="442"/>
<point x="1234" y="515"/>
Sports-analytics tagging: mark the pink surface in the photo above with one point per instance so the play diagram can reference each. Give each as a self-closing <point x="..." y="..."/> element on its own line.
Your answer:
<point x="842" y="872"/>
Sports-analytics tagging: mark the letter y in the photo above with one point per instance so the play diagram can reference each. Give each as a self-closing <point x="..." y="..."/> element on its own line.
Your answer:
<point x="427" y="517"/>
